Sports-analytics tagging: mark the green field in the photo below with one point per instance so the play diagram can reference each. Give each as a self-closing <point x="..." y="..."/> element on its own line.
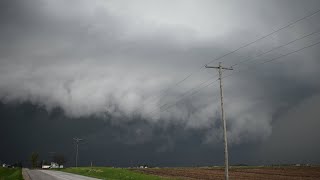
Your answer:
<point x="110" y="173"/>
<point x="10" y="174"/>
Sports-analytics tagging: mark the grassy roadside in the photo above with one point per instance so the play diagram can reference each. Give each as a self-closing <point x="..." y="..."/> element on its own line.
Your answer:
<point x="111" y="173"/>
<point x="10" y="174"/>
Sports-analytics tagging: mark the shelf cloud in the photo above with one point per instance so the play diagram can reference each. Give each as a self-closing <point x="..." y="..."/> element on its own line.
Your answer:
<point x="120" y="61"/>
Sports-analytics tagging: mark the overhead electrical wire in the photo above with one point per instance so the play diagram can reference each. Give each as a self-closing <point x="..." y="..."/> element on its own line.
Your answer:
<point x="252" y="59"/>
<point x="249" y="68"/>
<point x="164" y="91"/>
<point x="185" y="94"/>
<point x="273" y="59"/>
<point x="273" y="49"/>
<point x="278" y="47"/>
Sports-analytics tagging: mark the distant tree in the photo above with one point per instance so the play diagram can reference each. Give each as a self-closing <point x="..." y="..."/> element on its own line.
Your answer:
<point x="34" y="159"/>
<point x="59" y="159"/>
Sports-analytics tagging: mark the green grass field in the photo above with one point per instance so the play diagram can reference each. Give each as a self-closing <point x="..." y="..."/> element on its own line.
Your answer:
<point x="10" y="174"/>
<point x="111" y="173"/>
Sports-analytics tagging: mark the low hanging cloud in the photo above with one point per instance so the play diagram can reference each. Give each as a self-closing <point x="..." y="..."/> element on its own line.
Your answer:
<point x="93" y="59"/>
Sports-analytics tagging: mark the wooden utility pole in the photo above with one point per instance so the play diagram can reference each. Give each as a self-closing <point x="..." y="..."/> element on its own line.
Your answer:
<point x="226" y="161"/>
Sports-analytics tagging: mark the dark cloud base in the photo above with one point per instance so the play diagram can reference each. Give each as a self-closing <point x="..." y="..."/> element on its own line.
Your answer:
<point x="26" y="128"/>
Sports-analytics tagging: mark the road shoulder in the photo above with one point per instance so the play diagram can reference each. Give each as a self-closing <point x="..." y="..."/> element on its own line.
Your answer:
<point x="25" y="174"/>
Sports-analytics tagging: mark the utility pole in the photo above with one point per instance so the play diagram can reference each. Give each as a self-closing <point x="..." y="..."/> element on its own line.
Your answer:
<point x="226" y="161"/>
<point x="77" y="140"/>
<point x="52" y="156"/>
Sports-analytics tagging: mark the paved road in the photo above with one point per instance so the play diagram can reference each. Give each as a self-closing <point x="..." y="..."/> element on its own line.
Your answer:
<point x="54" y="175"/>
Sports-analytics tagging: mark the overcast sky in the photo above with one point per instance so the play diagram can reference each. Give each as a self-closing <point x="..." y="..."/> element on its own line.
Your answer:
<point x="111" y="72"/>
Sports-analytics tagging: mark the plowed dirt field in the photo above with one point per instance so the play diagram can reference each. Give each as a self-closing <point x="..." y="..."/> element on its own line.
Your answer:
<point x="238" y="173"/>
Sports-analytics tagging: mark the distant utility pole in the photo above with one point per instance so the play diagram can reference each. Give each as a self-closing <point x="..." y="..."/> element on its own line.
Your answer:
<point x="77" y="140"/>
<point x="52" y="155"/>
<point x="226" y="161"/>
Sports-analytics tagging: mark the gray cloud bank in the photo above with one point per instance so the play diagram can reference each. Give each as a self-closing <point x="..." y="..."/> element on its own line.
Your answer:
<point x="105" y="59"/>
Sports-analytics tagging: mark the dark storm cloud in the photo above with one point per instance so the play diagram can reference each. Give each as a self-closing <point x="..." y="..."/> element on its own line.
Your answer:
<point x="100" y="61"/>
<point x="295" y="135"/>
<point x="104" y="142"/>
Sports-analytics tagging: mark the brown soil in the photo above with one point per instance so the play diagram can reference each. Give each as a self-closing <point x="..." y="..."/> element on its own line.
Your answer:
<point x="243" y="173"/>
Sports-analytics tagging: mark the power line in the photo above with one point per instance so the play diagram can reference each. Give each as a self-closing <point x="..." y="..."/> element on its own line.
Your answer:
<point x="273" y="49"/>
<point x="278" y="47"/>
<point x="183" y="95"/>
<point x="268" y="61"/>
<point x="274" y="59"/>
<point x="192" y="89"/>
<point x="265" y="36"/>
<point x="164" y="91"/>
